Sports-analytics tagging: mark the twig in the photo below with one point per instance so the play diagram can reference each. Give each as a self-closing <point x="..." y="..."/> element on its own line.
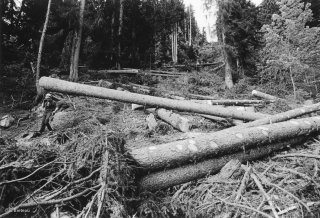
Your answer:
<point x="244" y="206"/>
<point x="243" y="184"/>
<point x="287" y="192"/>
<point x="315" y="169"/>
<point x="72" y="183"/>
<point x="90" y="205"/>
<point x="294" y="207"/>
<point x="48" y="202"/>
<point x="101" y="199"/>
<point x="270" y="191"/>
<point x="300" y="174"/>
<point x="297" y="155"/>
<point x="17" y="180"/>
<point x="270" y="202"/>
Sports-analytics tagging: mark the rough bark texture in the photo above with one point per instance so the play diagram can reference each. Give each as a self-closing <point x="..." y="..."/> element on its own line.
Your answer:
<point x="74" y="70"/>
<point x="283" y="116"/>
<point x="53" y="84"/>
<point x="187" y="173"/>
<point x="221" y="142"/>
<point x="265" y="96"/>
<point x="177" y="121"/>
<point x="39" y="90"/>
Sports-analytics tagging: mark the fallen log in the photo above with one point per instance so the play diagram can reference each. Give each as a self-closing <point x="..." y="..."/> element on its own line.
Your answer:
<point x="126" y="71"/>
<point x="177" y="121"/>
<point x="266" y="96"/>
<point x="166" y="72"/>
<point x="164" y="75"/>
<point x="228" y="102"/>
<point x="180" y="105"/>
<point x="193" y="65"/>
<point x="170" y="177"/>
<point x="221" y="142"/>
<point x="291" y="114"/>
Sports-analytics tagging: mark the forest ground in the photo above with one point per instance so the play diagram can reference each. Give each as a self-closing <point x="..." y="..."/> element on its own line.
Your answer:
<point x="89" y="116"/>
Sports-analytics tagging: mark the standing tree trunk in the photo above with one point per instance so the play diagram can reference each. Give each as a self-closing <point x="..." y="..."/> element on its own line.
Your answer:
<point x="1" y="80"/>
<point x="226" y="53"/>
<point x="39" y="89"/>
<point x="75" y="60"/>
<point x="190" y="27"/>
<point x="175" y="43"/>
<point x="118" y="65"/>
<point x="1" y="10"/>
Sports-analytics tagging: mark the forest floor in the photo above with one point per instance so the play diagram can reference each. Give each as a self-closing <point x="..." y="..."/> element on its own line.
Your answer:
<point x="30" y="172"/>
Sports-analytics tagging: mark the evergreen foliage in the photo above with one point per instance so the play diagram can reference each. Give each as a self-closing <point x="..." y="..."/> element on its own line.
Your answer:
<point x="292" y="48"/>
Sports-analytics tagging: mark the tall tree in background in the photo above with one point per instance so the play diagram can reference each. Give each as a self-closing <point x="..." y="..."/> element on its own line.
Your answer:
<point x="224" y="7"/>
<point x="39" y="89"/>
<point x="1" y="15"/>
<point x="77" y="45"/>
<point x="118" y="63"/>
<point x="236" y="29"/>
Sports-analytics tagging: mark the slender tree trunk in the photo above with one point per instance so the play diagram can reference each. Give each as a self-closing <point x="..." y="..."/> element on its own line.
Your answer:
<point x="118" y="65"/>
<point x="227" y="61"/>
<point x="1" y="14"/>
<point x="1" y="61"/>
<point x="74" y="71"/>
<point x="72" y="51"/>
<point x="190" y="27"/>
<point x="39" y="89"/>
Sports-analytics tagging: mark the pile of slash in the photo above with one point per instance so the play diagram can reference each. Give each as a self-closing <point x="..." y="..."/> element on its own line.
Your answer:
<point x="111" y="159"/>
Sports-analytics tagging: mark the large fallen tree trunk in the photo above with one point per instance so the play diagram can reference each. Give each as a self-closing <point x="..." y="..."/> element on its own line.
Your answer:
<point x="177" y="121"/>
<point x="221" y="142"/>
<point x="186" y="173"/>
<point x="53" y="84"/>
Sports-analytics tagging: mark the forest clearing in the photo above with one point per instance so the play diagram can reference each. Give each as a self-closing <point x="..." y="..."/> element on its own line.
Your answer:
<point x="124" y="109"/>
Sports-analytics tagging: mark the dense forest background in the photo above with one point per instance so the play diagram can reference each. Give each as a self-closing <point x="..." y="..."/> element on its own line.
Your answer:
<point x="276" y="41"/>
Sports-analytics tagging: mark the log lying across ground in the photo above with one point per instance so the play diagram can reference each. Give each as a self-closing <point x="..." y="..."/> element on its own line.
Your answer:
<point x="126" y="71"/>
<point x="221" y="142"/>
<point x="187" y="173"/>
<point x="53" y="84"/>
<point x="228" y="102"/>
<point x="284" y="116"/>
<point x="177" y="121"/>
<point x="266" y="96"/>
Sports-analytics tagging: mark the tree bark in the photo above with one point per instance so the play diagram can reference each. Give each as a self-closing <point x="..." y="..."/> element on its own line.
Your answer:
<point x="177" y="121"/>
<point x="39" y="90"/>
<point x="74" y="71"/>
<point x="118" y="64"/>
<point x="53" y="84"/>
<point x="266" y="96"/>
<point x="187" y="173"/>
<point x="221" y="142"/>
